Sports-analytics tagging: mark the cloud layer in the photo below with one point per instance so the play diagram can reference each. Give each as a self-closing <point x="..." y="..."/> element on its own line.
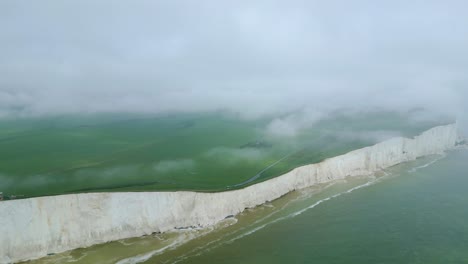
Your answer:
<point x="251" y="58"/>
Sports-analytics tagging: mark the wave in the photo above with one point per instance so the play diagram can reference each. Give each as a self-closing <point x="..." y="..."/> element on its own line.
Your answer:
<point x="441" y="156"/>
<point x="373" y="181"/>
<point x="146" y="256"/>
<point x="302" y="211"/>
<point x="209" y="246"/>
<point x="183" y="237"/>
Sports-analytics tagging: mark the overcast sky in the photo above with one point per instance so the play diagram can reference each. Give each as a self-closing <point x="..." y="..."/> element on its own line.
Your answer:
<point x="250" y="57"/>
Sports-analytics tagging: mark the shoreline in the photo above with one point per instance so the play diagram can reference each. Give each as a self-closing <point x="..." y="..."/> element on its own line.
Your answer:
<point x="35" y="227"/>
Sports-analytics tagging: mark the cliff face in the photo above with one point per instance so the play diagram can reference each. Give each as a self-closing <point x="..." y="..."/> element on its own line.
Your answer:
<point x="32" y="228"/>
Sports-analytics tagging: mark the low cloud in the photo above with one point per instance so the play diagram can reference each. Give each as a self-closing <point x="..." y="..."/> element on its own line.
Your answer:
<point x="254" y="59"/>
<point x="166" y="166"/>
<point x="235" y="155"/>
<point x="367" y="136"/>
<point x="292" y="124"/>
<point x="6" y="182"/>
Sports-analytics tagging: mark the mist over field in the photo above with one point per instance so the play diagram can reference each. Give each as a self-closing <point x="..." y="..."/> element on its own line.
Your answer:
<point x="182" y="131"/>
<point x="298" y="61"/>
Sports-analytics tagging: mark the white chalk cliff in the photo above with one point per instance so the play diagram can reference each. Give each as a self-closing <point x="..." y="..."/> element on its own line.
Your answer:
<point x="32" y="228"/>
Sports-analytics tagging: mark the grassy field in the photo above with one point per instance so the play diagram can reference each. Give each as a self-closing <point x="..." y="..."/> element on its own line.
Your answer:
<point x="204" y="152"/>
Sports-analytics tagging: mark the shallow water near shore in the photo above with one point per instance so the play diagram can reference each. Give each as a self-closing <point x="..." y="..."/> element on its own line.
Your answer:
<point x="412" y="213"/>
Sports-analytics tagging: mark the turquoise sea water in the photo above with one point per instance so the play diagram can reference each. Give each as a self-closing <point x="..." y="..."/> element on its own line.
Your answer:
<point x="412" y="213"/>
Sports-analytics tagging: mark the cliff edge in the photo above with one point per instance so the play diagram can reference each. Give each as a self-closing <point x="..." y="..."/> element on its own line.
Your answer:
<point x="32" y="228"/>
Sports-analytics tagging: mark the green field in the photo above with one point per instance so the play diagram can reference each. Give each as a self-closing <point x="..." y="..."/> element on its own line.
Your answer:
<point x="203" y="152"/>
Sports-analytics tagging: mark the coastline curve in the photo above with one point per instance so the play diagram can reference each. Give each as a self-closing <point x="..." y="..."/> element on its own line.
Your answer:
<point x="35" y="227"/>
